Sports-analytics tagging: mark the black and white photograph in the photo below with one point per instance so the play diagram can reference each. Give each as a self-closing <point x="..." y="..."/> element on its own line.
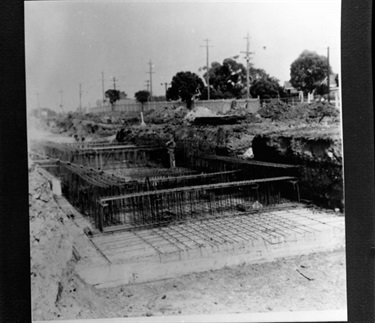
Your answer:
<point x="185" y="161"/>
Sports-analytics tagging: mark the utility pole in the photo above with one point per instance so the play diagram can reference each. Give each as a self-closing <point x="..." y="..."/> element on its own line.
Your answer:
<point x="148" y="85"/>
<point x="80" y="97"/>
<point x="103" y="86"/>
<point x="37" y="95"/>
<point x="38" y="106"/>
<point x="150" y="72"/>
<point x="247" y="65"/>
<point x="208" y="68"/>
<point x="114" y="83"/>
<point x="166" y="87"/>
<point x="328" y="74"/>
<point x="62" y="100"/>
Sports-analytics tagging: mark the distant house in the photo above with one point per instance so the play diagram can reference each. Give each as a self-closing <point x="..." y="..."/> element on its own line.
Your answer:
<point x="289" y="89"/>
<point x="334" y="88"/>
<point x="123" y="95"/>
<point x="333" y="82"/>
<point x="43" y="113"/>
<point x="322" y="86"/>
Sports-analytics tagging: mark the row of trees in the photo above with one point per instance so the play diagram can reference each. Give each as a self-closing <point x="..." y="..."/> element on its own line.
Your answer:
<point x="228" y="80"/>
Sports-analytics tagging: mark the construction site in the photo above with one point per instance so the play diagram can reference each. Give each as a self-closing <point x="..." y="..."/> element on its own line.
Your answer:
<point x="129" y="213"/>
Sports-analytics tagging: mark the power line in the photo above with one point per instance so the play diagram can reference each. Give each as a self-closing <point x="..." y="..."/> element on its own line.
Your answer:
<point x="208" y="68"/>
<point x="247" y="57"/>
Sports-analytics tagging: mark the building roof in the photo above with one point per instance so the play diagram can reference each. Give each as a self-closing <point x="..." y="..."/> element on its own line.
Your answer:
<point x="288" y="86"/>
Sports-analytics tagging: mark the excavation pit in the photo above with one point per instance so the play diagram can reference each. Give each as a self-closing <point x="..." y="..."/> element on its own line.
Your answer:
<point x="147" y="223"/>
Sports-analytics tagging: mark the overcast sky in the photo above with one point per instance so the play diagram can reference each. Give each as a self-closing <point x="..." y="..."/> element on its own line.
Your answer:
<point x="72" y="43"/>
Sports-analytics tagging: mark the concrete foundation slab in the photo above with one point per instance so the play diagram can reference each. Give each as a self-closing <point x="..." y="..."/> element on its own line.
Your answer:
<point x="175" y="250"/>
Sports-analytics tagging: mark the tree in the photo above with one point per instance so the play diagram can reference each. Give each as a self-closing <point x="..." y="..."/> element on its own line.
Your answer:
<point x="268" y="87"/>
<point x="307" y="70"/>
<point x="184" y="86"/>
<point x="113" y="96"/>
<point x="228" y="80"/>
<point x="142" y="97"/>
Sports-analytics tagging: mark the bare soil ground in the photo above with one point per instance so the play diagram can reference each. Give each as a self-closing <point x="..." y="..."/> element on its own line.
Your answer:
<point x="310" y="282"/>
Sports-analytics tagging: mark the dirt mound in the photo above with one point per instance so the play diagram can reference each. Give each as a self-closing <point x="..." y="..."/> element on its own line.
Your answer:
<point x="55" y="288"/>
<point x="199" y="112"/>
<point x="51" y="247"/>
<point x="308" y="112"/>
<point x="93" y="126"/>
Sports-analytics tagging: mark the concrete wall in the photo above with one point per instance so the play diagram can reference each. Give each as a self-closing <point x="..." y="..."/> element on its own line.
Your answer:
<point x="136" y="106"/>
<point x="221" y="106"/>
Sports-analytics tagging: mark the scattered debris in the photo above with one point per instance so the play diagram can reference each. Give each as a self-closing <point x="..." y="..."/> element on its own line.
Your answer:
<point x="309" y="279"/>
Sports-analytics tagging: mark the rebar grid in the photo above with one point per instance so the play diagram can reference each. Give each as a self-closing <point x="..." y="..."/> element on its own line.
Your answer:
<point x="111" y="156"/>
<point x="84" y="186"/>
<point x="141" y="173"/>
<point x="161" y="207"/>
<point x="220" y="234"/>
<point x="231" y="185"/>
